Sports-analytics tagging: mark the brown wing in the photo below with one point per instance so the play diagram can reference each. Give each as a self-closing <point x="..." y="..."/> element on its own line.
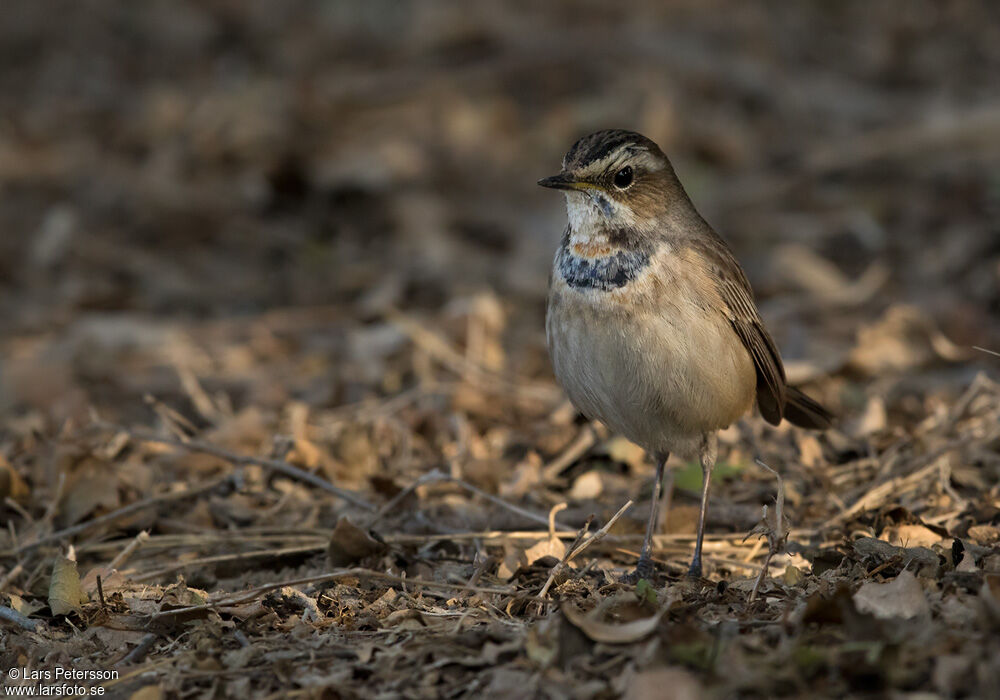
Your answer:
<point x="737" y="298"/>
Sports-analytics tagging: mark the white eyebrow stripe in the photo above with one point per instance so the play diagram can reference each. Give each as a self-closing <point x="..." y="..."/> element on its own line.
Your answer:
<point x="599" y="166"/>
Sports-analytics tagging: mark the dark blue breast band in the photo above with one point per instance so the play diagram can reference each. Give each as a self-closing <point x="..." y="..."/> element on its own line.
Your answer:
<point x="607" y="273"/>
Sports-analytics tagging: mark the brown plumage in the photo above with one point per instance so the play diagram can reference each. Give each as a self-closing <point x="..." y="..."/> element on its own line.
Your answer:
<point x="651" y="324"/>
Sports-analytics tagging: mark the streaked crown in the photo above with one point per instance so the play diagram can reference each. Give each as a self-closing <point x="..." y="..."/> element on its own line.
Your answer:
<point x="606" y="144"/>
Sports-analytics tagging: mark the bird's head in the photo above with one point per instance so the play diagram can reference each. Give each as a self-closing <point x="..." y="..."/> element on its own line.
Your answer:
<point x="615" y="180"/>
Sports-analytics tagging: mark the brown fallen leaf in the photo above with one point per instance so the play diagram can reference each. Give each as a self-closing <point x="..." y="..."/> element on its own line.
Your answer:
<point x="11" y="484"/>
<point x="659" y="683"/>
<point x="902" y="597"/>
<point x="549" y="547"/>
<point x="148" y="692"/>
<point x="599" y="630"/>
<point x="349" y="544"/>
<point x="911" y="535"/>
<point x="65" y="593"/>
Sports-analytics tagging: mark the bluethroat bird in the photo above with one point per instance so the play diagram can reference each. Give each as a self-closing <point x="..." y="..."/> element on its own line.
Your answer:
<point x="651" y="323"/>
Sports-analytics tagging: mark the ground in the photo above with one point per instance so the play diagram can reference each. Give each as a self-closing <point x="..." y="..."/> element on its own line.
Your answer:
<point x="276" y="415"/>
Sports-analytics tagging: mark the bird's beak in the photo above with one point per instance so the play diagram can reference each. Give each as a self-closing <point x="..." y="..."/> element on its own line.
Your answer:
<point x="563" y="181"/>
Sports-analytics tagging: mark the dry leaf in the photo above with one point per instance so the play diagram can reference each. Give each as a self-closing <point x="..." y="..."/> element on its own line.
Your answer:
<point x="912" y="535"/>
<point x="600" y="630"/>
<point x="349" y="544"/>
<point x="65" y="593"/>
<point x="111" y="580"/>
<point x="11" y="484"/>
<point x="968" y="563"/>
<point x="148" y="692"/>
<point x="92" y="486"/>
<point x="549" y="547"/>
<point x="900" y="598"/>
<point x="587" y="486"/>
<point x="22" y="606"/>
<point x="664" y="684"/>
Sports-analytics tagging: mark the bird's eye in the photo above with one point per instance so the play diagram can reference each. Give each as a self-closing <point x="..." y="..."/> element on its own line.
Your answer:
<point x="623" y="178"/>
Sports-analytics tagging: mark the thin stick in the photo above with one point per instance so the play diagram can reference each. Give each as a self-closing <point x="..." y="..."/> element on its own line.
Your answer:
<point x="139" y="653"/>
<point x="253" y="593"/>
<point x="580" y="546"/>
<point x="116" y="514"/>
<point x="562" y="563"/>
<point x="428" y="478"/>
<point x="602" y="533"/>
<point x="10" y="576"/>
<point x="50" y="511"/>
<point x="523" y="512"/>
<point x="576" y="449"/>
<point x="128" y="551"/>
<point x="11" y="615"/>
<point x="204" y="561"/>
<point x="491" y="535"/>
<point x="775" y="536"/>
<point x="275" y="465"/>
<point x="439" y="348"/>
<point x="100" y="593"/>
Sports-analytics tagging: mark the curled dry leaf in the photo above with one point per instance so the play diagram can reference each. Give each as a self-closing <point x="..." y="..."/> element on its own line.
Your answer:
<point x="601" y="630"/>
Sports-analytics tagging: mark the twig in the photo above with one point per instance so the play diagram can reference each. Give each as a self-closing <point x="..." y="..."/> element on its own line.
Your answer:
<point x="438" y="348"/>
<point x="565" y="557"/>
<point x="877" y="494"/>
<point x="579" y="546"/>
<point x="11" y="615"/>
<point x="53" y="507"/>
<point x="602" y="533"/>
<point x="130" y="548"/>
<point x="139" y="653"/>
<point x="557" y="508"/>
<point x="273" y="464"/>
<point x="116" y="514"/>
<point x="538" y="518"/>
<point x="484" y="564"/>
<point x="253" y="593"/>
<point x="576" y="449"/>
<point x="492" y="535"/>
<point x="428" y="478"/>
<point x="240" y="556"/>
<point x="10" y="576"/>
<point x="100" y="593"/>
<point x="775" y="535"/>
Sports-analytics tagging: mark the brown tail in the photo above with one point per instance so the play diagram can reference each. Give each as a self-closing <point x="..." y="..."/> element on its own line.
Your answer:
<point x="802" y="411"/>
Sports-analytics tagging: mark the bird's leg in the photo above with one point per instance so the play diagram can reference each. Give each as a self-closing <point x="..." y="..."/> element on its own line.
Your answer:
<point x="644" y="567"/>
<point x="706" y="455"/>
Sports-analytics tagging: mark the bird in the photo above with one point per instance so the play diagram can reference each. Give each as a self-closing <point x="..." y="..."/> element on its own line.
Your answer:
<point x="651" y="323"/>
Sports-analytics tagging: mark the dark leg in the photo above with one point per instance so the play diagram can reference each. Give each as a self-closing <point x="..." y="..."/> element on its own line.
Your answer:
<point x="706" y="456"/>
<point x="644" y="567"/>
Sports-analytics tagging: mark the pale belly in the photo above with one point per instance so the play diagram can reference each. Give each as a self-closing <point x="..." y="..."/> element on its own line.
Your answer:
<point x="662" y="376"/>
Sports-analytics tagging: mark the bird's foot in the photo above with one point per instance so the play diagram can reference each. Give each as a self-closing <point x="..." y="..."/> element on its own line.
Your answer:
<point x="695" y="570"/>
<point x="644" y="569"/>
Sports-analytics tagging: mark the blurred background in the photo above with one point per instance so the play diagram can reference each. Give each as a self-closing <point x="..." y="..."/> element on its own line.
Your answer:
<point x="167" y="163"/>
